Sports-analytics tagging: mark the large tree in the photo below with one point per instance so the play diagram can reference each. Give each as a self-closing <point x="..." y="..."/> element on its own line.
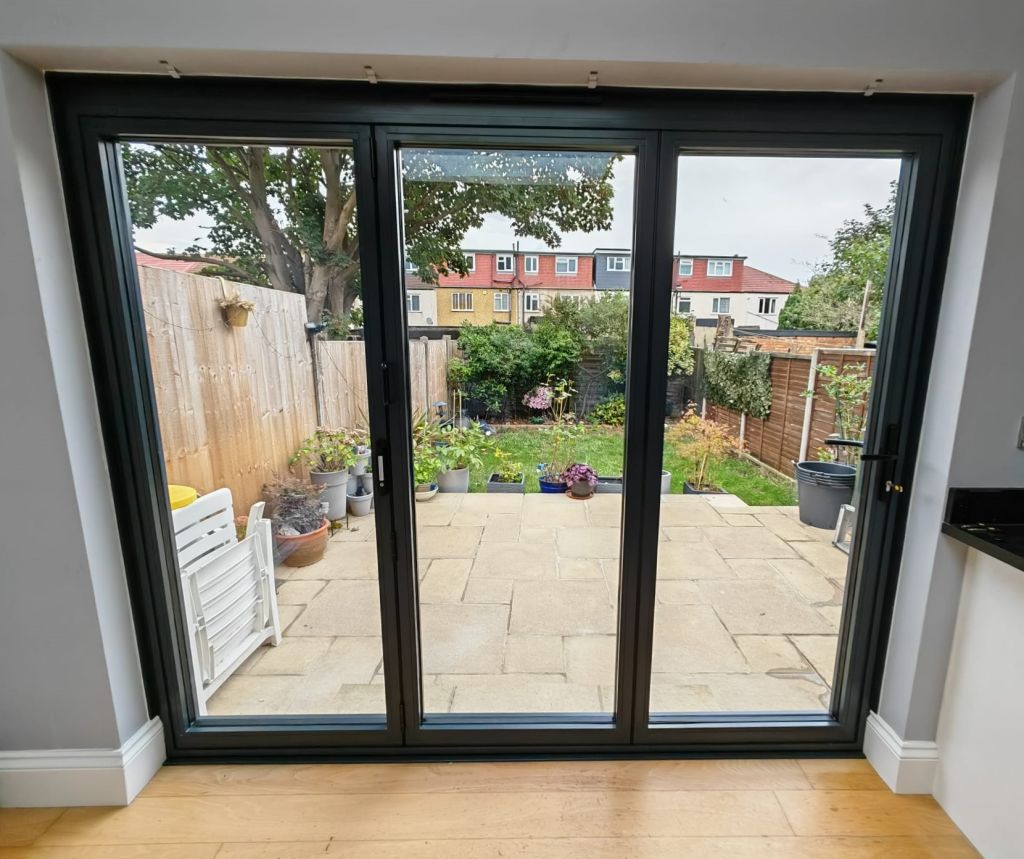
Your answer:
<point x="286" y="216"/>
<point x="859" y="252"/>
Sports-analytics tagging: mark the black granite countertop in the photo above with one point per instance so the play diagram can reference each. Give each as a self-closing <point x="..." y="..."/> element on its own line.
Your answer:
<point x="989" y="520"/>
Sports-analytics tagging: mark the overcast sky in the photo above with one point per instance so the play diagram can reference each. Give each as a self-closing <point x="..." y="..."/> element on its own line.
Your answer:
<point x="778" y="212"/>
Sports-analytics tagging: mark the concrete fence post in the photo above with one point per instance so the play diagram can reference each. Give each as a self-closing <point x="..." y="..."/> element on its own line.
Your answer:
<point x="805" y="433"/>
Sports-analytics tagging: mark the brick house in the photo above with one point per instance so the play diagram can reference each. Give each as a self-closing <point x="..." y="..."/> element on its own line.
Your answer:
<point x="708" y="287"/>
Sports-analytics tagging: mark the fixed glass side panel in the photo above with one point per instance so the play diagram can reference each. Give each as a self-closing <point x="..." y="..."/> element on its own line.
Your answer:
<point x="248" y="264"/>
<point x="517" y="280"/>
<point x="778" y="283"/>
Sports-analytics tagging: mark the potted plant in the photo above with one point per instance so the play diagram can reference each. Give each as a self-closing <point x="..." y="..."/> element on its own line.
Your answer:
<point x="425" y="467"/>
<point x="328" y="454"/>
<point x="297" y="520"/>
<point x="702" y="443"/>
<point x="458" y="450"/>
<point x="581" y="480"/>
<point x="666" y="482"/>
<point x="360" y="501"/>
<point x="509" y="476"/>
<point x="563" y="438"/>
<point x="360" y="442"/>
<point x="236" y="310"/>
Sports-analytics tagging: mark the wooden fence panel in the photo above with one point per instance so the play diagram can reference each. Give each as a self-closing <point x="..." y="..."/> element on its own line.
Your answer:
<point x="233" y="403"/>
<point x="823" y="414"/>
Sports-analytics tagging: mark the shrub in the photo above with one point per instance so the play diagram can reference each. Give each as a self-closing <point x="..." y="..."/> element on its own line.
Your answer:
<point x="739" y="381"/>
<point x="702" y="442"/>
<point x="326" y="451"/>
<point x="460" y="447"/>
<point x="295" y="506"/>
<point x="610" y="411"/>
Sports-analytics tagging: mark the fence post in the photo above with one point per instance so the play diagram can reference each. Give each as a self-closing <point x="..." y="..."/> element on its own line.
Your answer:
<point x="805" y="432"/>
<point x="314" y="351"/>
<point x="426" y="374"/>
<point x="743" y="426"/>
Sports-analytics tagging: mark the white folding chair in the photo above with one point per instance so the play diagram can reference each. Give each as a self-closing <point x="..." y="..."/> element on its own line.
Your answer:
<point x="227" y="588"/>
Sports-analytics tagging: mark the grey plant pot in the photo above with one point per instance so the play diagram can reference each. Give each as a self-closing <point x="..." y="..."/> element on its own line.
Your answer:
<point x="366" y="482"/>
<point x="335" y="485"/>
<point x="609" y="485"/>
<point x="426" y="494"/>
<point x="666" y="482"/>
<point x="359" y="466"/>
<point x="581" y="489"/>
<point x="359" y="505"/>
<point x="456" y="480"/>
<point x="495" y="485"/>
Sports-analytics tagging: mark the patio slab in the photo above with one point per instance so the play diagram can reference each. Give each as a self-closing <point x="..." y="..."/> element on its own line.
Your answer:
<point x="518" y="612"/>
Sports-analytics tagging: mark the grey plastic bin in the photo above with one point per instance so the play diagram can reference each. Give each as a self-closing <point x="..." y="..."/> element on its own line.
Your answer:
<point x="822" y="489"/>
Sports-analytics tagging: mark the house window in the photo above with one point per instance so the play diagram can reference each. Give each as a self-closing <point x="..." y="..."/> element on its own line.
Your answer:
<point x="410" y="266"/>
<point x="505" y="264"/>
<point x="720" y="305"/>
<point x="618" y="263"/>
<point x="412" y="302"/>
<point x="685" y="267"/>
<point x="531" y="264"/>
<point x="766" y="305"/>
<point x="462" y="301"/>
<point x="501" y="302"/>
<point x="566" y="265"/>
<point x="719" y="268"/>
<point x="576" y="298"/>
<point x="683" y="304"/>
<point x="533" y="299"/>
<point x="471" y="262"/>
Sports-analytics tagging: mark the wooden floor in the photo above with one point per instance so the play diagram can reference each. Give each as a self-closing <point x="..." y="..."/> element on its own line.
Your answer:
<point x="562" y="810"/>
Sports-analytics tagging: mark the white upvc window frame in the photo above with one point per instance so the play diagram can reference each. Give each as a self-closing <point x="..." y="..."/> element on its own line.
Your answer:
<point x="531" y="264"/>
<point x="688" y="263"/>
<point x="618" y="264"/>
<point x="470" y="262"/>
<point x="410" y="266"/>
<point x="468" y="302"/>
<point x="689" y="304"/>
<point x="510" y="258"/>
<point x="504" y="297"/>
<point x="531" y="302"/>
<point x="726" y="265"/>
<point x="575" y="261"/>
<point x="768" y="305"/>
<point x="411" y="299"/>
<point x="716" y="305"/>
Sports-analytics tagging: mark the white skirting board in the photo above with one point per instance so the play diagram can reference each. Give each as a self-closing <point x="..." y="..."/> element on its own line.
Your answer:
<point x="55" y="777"/>
<point x="907" y="766"/>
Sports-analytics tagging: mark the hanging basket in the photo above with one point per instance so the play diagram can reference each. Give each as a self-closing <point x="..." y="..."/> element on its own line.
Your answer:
<point x="236" y="315"/>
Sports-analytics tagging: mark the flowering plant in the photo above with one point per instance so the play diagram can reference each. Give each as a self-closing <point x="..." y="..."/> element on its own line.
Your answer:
<point x="539" y="398"/>
<point x="577" y="472"/>
<point x="553" y="395"/>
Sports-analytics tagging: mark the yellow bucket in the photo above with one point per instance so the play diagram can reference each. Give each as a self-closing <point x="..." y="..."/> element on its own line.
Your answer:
<point x="181" y="496"/>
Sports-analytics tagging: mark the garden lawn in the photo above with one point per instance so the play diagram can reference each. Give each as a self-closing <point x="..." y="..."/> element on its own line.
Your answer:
<point x="602" y="449"/>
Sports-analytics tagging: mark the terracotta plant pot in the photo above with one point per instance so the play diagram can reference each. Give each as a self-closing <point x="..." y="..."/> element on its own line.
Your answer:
<point x="301" y="550"/>
<point x="235" y="316"/>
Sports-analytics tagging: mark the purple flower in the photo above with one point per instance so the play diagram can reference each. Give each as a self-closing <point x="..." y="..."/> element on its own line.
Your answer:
<point x="579" y="472"/>
<point x="539" y="398"/>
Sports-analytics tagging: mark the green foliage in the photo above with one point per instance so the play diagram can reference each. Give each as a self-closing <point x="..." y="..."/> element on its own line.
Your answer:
<point x="326" y="451"/>
<point x="610" y="411"/>
<point x="739" y="381"/>
<point x="859" y="252"/>
<point x="702" y="443"/>
<point x="498" y="363"/>
<point x="460" y="447"/>
<point x="562" y="444"/>
<point x="848" y="388"/>
<point x="680" y="346"/>
<point x="506" y="467"/>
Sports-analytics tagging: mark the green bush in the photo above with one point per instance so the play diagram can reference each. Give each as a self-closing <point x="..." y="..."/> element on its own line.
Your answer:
<point x="610" y="411"/>
<point x="739" y="382"/>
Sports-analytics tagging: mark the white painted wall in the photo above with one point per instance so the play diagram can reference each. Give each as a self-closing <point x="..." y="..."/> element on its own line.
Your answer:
<point x="743" y="307"/>
<point x="82" y="686"/>
<point x="427" y="314"/>
<point x="981" y="756"/>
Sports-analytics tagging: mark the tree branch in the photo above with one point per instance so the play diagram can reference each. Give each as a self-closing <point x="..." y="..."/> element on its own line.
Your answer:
<point x="212" y="261"/>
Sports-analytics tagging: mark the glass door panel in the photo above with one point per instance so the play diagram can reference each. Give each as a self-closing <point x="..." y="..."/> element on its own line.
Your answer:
<point x="778" y="281"/>
<point x="248" y="262"/>
<point x="517" y="286"/>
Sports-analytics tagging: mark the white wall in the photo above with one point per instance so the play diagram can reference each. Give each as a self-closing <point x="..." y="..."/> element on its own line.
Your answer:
<point x="742" y="307"/>
<point x="427" y="314"/>
<point x="981" y="756"/>
<point x="57" y="465"/>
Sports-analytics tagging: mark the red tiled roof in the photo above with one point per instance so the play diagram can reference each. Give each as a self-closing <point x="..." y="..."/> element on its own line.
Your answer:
<point x="755" y="280"/>
<point x="170" y="264"/>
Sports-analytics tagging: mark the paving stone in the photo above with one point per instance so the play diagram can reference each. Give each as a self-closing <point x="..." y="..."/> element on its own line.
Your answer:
<point x="464" y="518"/>
<point x="342" y="608"/>
<point x="350" y="661"/>
<point x="451" y="542"/>
<point x="359" y="700"/>
<point x="588" y="542"/>
<point x="691" y="561"/>
<point x="788" y="528"/>
<point x="754" y="693"/>
<point x="752" y="568"/>
<point x="286" y="614"/>
<point x="728" y="503"/>
<point x="434" y="515"/>
<point x="463" y="639"/>
<point x="580" y="568"/>
<point x="806" y="580"/>
<point x="766" y="653"/>
<point x="445" y="580"/>
<point x="493" y="502"/>
<point x="437" y="697"/>
<point x="679" y="592"/>
<point x="292" y="656"/>
<point x="342" y="560"/>
<point x="761" y="608"/>
<point x="553" y="511"/>
<point x="562" y="608"/>
<point x="299" y="592"/>
<point x="741" y="521"/>
<point x="688" y="514"/>
<point x="826" y="557"/>
<point x="670" y="694"/>
<point x="489" y="591"/>
<point x="590" y="659"/>
<point x="536" y="535"/>
<point x="502" y="527"/>
<point x="248" y="695"/>
<point x="534" y="654"/>
<point x="747" y="543"/>
<point x="683" y="533"/>
<point x="523" y="693"/>
<point x="690" y="639"/>
<point x="820" y="650"/>
<point x="833" y="614"/>
<point x="517" y="561"/>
